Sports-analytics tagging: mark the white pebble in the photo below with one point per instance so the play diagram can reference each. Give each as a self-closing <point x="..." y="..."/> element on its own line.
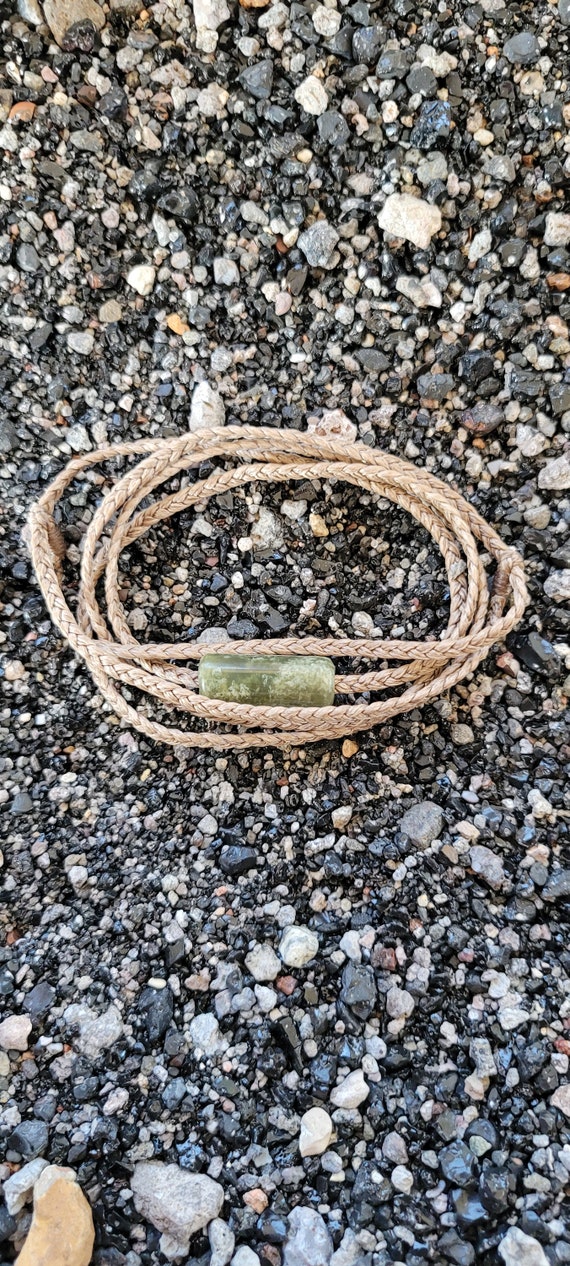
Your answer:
<point x="298" y="946"/>
<point x="311" y="95"/>
<point x="316" y="1132"/>
<point x="141" y="278"/>
<point x="351" y="1092"/>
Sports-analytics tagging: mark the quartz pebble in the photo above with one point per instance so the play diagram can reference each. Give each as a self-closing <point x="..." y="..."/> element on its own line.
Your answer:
<point x="142" y="278"/>
<point x="555" y="475"/>
<point x="263" y="963"/>
<point x="411" y="218"/>
<point x="298" y="946"/>
<point x="222" y="1242"/>
<point x="557" y="228"/>
<point x="207" y="409"/>
<point x="14" y="1032"/>
<point x="176" y="1202"/>
<point x="316" y="1132"/>
<point x="557" y="585"/>
<point x="311" y="95"/>
<point x="19" y="1186"/>
<point x="209" y="16"/>
<point x="518" y="1249"/>
<point x="488" y="865"/>
<point x="351" y="1092"/>
<point x="308" y="1241"/>
<point x="95" y="1033"/>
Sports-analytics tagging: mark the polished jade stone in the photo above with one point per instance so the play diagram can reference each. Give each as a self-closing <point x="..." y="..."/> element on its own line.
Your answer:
<point x="293" y="681"/>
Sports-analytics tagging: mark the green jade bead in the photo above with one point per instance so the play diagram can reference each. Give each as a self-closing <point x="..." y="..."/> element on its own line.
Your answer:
<point x="291" y="681"/>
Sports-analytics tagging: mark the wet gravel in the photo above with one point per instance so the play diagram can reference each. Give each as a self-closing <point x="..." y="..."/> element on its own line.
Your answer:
<point x="297" y="210"/>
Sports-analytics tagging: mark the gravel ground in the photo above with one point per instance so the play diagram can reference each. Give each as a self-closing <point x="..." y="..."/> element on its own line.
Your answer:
<point x="324" y="994"/>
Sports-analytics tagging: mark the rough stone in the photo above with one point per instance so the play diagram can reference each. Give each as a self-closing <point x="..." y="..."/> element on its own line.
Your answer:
<point x="14" y="1032"/>
<point x="19" y="1186"/>
<point x="555" y="476"/>
<point x="176" y="1202"/>
<point x="557" y="585"/>
<point x="561" y="1098"/>
<point x="411" y="218"/>
<point x="205" y="1035"/>
<point x="266" y="532"/>
<point x="208" y="16"/>
<point x="488" y="865"/>
<point x="298" y="946"/>
<point x="557" y="228"/>
<point x="422" y="823"/>
<point x="518" y="1249"/>
<point x="522" y="48"/>
<point x="207" y="408"/>
<point x="352" y="1091"/>
<point x="308" y="1240"/>
<point x="318" y="244"/>
<point x="399" y="1003"/>
<point x="311" y="95"/>
<point x="96" y="1033"/>
<point x="142" y="278"/>
<point x="222" y="1242"/>
<point x="316" y="1132"/>
<point x="263" y="963"/>
<point x="60" y="15"/>
<point x="62" y="1228"/>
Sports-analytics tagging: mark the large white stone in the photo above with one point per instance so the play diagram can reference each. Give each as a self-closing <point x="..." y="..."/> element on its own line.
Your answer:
<point x="518" y="1249"/>
<point x="399" y="1003"/>
<point x="14" y="1032"/>
<point x="205" y="1035"/>
<point x="207" y="408"/>
<point x="141" y="278"/>
<point x="263" y="963"/>
<point x="557" y="228"/>
<point x="311" y="95"/>
<point x="316" y="1132"/>
<point x="298" y="946"/>
<point x="176" y="1202"/>
<point x="266" y="533"/>
<point x="561" y="1098"/>
<point x="208" y="16"/>
<point x="19" y="1186"/>
<point x="555" y="476"/>
<point x="352" y="1091"/>
<point x="557" y="585"/>
<point x="95" y="1032"/>
<point x="421" y="292"/>
<point x="308" y="1240"/>
<point x="222" y="1242"/>
<point x="411" y="218"/>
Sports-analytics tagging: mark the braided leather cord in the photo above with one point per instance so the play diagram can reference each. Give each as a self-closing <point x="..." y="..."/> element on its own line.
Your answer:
<point x="478" y="617"/>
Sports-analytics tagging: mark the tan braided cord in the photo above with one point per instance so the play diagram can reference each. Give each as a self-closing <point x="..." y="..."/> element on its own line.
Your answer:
<point x="480" y="613"/>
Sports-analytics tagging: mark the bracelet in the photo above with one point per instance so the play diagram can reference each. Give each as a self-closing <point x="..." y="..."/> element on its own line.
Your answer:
<point x="480" y="614"/>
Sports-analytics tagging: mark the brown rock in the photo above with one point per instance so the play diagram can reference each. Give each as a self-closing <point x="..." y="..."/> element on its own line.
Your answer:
<point x="22" y="112"/>
<point x="286" y="985"/>
<point x="176" y="324"/>
<point x="61" y="14"/>
<point x="558" y="281"/>
<point x="256" y="1199"/>
<point x="62" y="1232"/>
